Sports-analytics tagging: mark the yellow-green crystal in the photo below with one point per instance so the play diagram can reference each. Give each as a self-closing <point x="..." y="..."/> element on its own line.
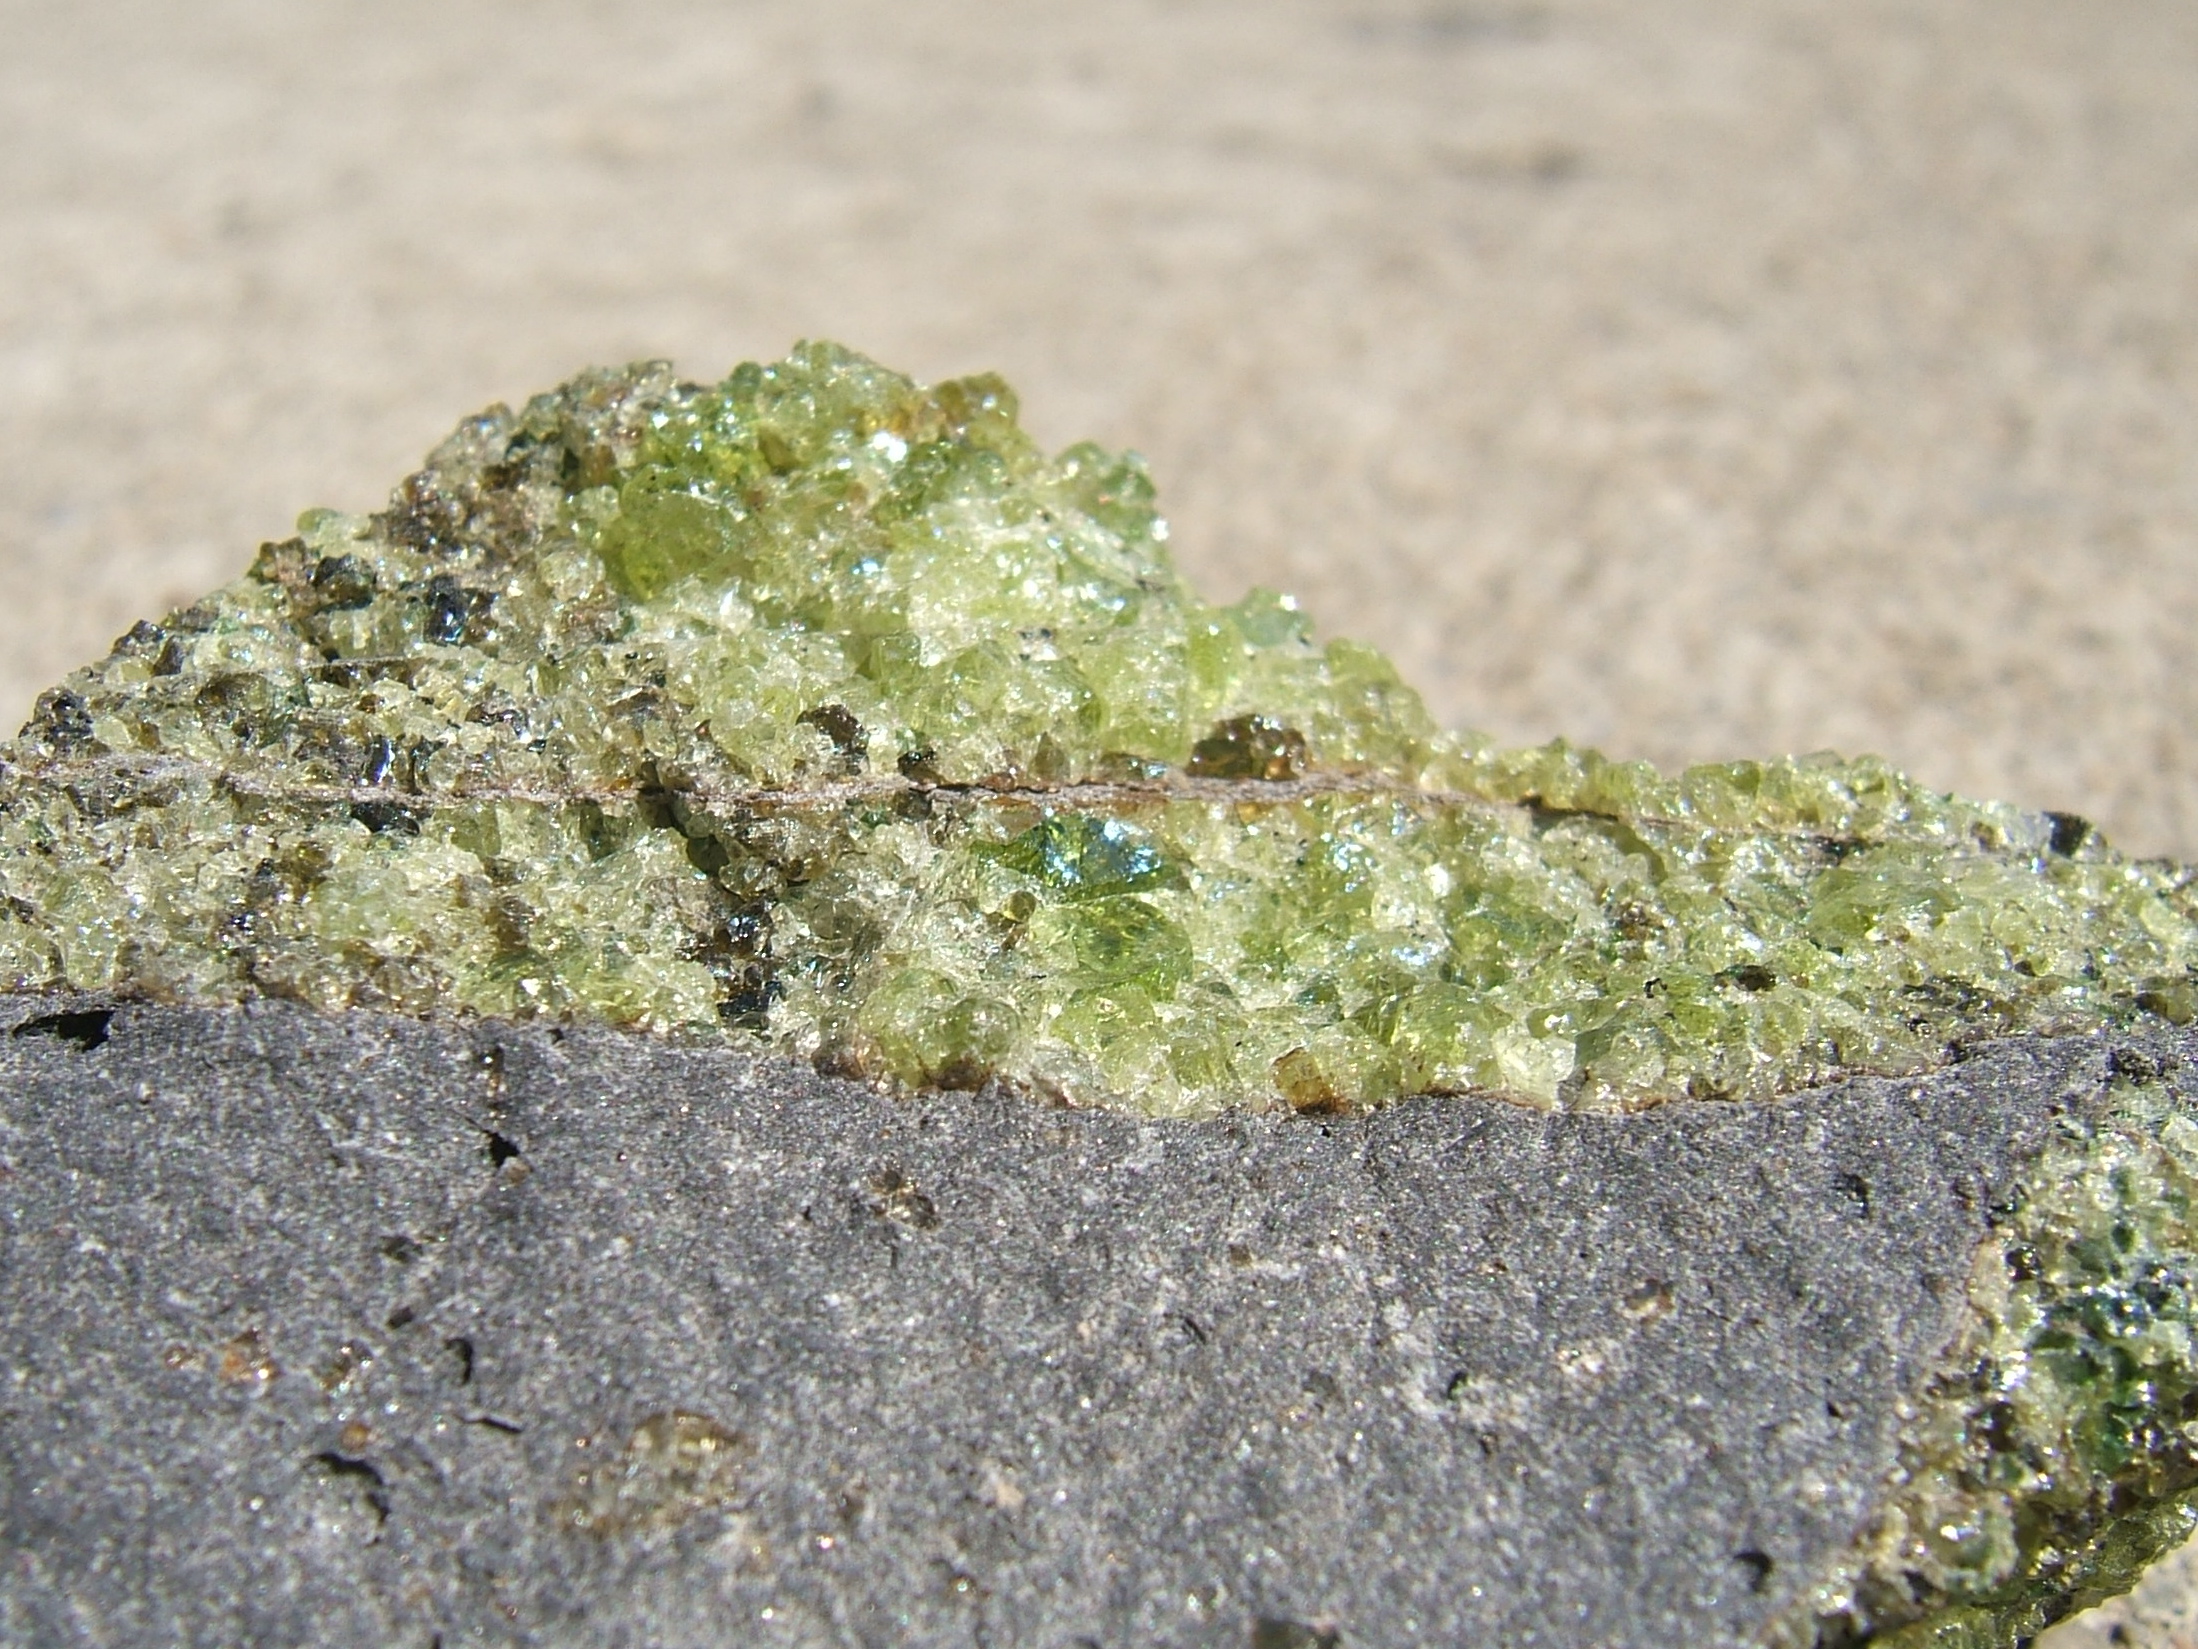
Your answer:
<point x="822" y="708"/>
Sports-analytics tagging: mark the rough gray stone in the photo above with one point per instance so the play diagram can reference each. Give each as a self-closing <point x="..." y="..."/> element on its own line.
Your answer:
<point x="336" y="1330"/>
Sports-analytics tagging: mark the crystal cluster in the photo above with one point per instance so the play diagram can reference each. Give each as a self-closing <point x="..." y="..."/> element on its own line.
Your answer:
<point x="2056" y="1454"/>
<point x="822" y="708"/>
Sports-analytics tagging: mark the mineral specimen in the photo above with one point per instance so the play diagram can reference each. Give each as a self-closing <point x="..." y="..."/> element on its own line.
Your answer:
<point x="822" y="708"/>
<point x="821" y="713"/>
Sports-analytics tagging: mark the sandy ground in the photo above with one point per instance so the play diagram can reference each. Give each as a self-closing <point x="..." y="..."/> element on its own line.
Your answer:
<point x="1696" y="380"/>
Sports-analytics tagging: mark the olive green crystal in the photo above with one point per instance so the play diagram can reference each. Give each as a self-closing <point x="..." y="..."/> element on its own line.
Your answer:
<point x="821" y="708"/>
<point x="2055" y="1454"/>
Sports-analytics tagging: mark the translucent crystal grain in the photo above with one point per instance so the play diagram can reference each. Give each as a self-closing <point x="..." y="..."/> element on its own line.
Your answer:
<point x="824" y="710"/>
<point x="673" y="1467"/>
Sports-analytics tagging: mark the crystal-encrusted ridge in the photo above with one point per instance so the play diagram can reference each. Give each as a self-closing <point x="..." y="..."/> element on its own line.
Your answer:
<point x="822" y="708"/>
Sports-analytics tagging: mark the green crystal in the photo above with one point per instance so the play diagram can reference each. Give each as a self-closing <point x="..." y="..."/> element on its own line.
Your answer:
<point x="2054" y="1456"/>
<point x="823" y="709"/>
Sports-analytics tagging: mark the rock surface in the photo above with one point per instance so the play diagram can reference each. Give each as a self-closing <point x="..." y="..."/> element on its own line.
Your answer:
<point x="364" y="1329"/>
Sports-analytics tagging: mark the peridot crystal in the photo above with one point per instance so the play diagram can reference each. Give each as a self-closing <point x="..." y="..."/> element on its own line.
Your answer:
<point x="2054" y="1453"/>
<point x="821" y="708"/>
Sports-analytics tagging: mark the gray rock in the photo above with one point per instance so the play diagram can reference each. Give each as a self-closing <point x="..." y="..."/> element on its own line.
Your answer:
<point x="362" y="1330"/>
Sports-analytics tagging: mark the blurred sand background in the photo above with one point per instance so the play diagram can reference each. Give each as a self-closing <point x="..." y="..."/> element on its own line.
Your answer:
<point x="1699" y="379"/>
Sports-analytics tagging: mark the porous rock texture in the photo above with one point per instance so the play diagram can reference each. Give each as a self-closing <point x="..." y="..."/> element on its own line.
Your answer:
<point x="358" y="1328"/>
